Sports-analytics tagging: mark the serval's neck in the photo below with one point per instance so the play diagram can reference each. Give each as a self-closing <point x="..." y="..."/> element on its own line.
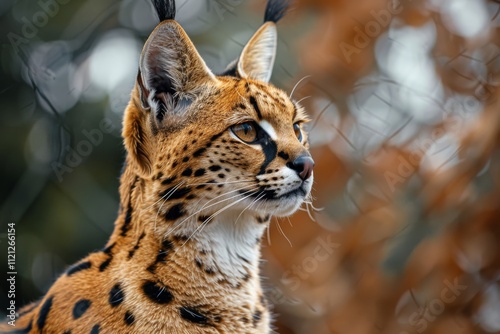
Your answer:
<point x="219" y="251"/>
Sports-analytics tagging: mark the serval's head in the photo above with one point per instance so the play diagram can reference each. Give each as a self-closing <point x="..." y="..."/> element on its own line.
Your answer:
<point x="206" y="143"/>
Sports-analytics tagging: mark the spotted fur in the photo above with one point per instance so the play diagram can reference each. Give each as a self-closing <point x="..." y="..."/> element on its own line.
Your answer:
<point x="195" y="197"/>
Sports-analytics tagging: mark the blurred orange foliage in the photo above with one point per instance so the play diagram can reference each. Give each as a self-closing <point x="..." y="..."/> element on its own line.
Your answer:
<point x="407" y="237"/>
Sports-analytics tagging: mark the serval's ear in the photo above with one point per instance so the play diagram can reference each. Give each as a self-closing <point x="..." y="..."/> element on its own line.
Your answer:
<point x="257" y="59"/>
<point x="171" y="71"/>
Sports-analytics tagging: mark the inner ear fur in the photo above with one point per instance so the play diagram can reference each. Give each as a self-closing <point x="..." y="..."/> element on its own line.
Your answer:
<point x="170" y="69"/>
<point x="257" y="58"/>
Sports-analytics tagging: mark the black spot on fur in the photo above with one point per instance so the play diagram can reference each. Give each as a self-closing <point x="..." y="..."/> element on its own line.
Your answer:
<point x="263" y="219"/>
<point x="244" y="259"/>
<point x="105" y="264"/>
<point x="199" y="172"/>
<point x="80" y="308"/>
<point x="116" y="295"/>
<point x="129" y="318"/>
<point x="136" y="246"/>
<point x="156" y="293"/>
<point x="180" y="238"/>
<point x="254" y="104"/>
<point x="185" y="159"/>
<point x="256" y="318"/>
<point x="215" y="137"/>
<point x="168" y="180"/>
<point x="166" y="247"/>
<point x="199" y="152"/>
<point x="283" y="155"/>
<point x="192" y="315"/>
<point x="215" y="168"/>
<point x="108" y="249"/>
<point x="95" y="329"/>
<point x="202" y="218"/>
<point x="187" y="172"/>
<point x="175" y="212"/>
<point x="128" y="219"/>
<point x="44" y="312"/>
<point x="78" y="267"/>
<point x="173" y="193"/>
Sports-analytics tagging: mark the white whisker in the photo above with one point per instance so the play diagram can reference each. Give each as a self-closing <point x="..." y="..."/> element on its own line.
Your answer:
<point x="248" y="207"/>
<point x="302" y="99"/>
<point x="283" y="233"/>
<point x="167" y="195"/>
<point x="205" y="206"/>
<point x="206" y="221"/>
<point x="298" y="83"/>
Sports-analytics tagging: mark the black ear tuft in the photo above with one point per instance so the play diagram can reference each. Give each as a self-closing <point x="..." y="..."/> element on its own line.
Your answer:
<point x="275" y="10"/>
<point x="165" y="9"/>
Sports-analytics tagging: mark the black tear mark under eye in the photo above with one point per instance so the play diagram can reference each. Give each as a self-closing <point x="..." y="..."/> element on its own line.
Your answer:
<point x="192" y="315"/>
<point x="269" y="148"/>
<point x="156" y="293"/>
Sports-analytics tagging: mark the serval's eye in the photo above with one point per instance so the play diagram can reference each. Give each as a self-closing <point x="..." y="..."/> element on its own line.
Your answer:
<point x="298" y="131"/>
<point x="245" y="131"/>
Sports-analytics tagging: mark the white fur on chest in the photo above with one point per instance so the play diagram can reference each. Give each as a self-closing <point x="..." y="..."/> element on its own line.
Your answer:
<point x="232" y="240"/>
